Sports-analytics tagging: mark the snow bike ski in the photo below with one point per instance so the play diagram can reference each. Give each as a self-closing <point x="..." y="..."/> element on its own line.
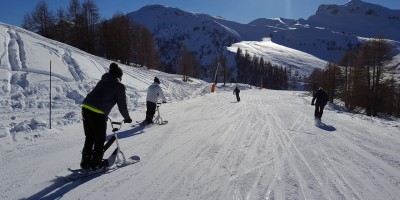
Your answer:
<point x="77" y="174"/>
<point x="117" y="157"/>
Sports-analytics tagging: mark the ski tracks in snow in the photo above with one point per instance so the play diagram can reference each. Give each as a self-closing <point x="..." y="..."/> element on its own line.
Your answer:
<point x="17" y="56"/>
<point x="264" y="147"/>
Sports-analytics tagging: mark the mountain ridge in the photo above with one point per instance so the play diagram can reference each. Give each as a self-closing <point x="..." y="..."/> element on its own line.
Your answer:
<point x="322" y="35"/>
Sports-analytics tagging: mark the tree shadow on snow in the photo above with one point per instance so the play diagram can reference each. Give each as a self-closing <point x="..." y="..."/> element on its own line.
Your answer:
<point x="325" y="127"/>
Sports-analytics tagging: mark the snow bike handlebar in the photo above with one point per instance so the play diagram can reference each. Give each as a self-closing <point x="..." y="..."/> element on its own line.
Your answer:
<point x="159" y="103"/>
<point x="115" y="129"/>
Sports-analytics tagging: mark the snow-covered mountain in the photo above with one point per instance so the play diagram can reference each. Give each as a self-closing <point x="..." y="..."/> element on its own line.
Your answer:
<point x="358" y="18"/>
<point x="324" y="35"/>
<point x="336" y="28"/>
<point x="205" y="35"/>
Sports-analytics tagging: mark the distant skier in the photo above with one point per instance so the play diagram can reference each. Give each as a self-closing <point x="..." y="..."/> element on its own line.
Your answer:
<point x="322" y="100"/>
<point x="95" y="109"/>
<point x="153" y="93"/>
<point x="236" y="91"/>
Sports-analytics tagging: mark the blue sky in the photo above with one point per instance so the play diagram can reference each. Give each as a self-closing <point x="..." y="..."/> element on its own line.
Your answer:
<point x="243" y="11"/>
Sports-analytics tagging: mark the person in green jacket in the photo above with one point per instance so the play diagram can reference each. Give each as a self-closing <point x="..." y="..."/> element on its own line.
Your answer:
<point x="95" y="110"/>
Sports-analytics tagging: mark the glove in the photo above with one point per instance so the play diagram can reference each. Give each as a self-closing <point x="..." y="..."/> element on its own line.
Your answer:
<point x="164" y="102"/>
<point x="129" y="120"/>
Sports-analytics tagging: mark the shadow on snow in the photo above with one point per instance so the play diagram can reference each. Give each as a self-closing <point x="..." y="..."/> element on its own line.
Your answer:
<point x="325" y="127"/>
<point x="129" y="133"/>
<point x="59" y="188"/>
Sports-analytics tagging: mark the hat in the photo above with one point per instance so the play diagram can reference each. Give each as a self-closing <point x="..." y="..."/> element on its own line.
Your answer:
<point x="156" y="80"/>
<point x="114" y="69"/>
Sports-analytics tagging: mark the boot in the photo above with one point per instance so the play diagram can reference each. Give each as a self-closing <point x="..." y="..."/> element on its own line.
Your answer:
<point x="97" y="161"/>
<point x="149" y="120"/>
<point x="102" y="165"/>
<point x="86" y="160"/>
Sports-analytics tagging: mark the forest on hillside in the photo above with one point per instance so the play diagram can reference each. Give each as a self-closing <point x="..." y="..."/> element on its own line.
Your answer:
<point x="361" y="80"/>
<point x="81" y="25"/>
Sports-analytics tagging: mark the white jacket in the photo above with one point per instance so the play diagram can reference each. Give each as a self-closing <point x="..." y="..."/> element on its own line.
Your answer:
<point x="153" y="92"/>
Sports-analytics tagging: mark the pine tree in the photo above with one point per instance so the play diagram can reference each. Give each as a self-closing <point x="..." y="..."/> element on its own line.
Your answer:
<point x="188" y="64"/>
<point x="90" y="19"/>
<point x="40" y="20"/>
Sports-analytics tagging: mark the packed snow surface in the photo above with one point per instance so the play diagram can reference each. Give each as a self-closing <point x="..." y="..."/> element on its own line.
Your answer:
<point x="266" y="146"/>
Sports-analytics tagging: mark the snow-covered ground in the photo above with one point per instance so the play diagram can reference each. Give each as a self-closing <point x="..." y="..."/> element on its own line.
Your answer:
<point x="265" y="147"/>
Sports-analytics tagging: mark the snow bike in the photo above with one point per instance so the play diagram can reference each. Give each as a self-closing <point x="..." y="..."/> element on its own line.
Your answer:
<point x="117" y="154"/>
<point x="117" y="157"/>
<point x="158" y="119"/>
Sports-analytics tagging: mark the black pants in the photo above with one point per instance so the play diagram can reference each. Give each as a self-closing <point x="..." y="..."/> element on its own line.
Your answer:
<point x="237" y="97"/>
<point x="95" y="127"/>
<point x="319" y="109"/>
<point x="151" y="110"/>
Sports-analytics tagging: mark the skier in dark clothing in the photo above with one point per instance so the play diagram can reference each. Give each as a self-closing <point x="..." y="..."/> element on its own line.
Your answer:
<point x="322" y="100"/>
<point x="95" y="109"/>
<point x="236" y="91"/>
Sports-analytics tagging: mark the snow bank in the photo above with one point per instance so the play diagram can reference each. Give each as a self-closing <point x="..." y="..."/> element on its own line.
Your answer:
<point x="28" y="126"/>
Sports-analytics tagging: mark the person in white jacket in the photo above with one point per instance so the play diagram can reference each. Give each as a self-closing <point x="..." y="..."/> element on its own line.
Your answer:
<point x="153" y="93"/>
